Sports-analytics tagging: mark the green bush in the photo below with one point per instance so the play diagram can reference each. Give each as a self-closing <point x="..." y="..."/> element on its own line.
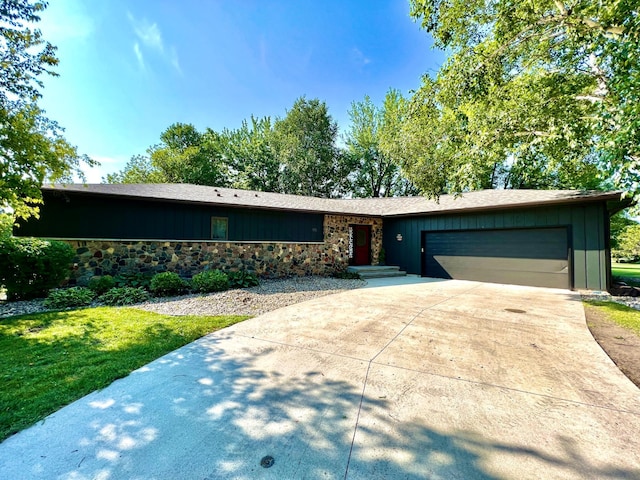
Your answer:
<point x="243" y="279"/>
<point x="102" y="284"/>
<point x="120" y="296"/>
<point x="69" y="297"/>
<point x="344" y="275"/>
<point x="167" y="283"/>
<point x="135" y="280"/>
<point x="210" y="281"/>
<point x="30" y="267"/>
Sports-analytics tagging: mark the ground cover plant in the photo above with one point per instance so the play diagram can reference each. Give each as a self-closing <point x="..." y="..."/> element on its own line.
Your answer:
<point x="50" y="359"/>
<point x="69" y="297"/>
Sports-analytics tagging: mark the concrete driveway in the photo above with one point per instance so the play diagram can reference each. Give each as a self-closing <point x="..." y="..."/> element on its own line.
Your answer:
<point x="442" y="380"/>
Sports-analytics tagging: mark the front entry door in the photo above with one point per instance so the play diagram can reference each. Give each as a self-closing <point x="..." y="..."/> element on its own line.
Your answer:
<point x="362" y="245"/>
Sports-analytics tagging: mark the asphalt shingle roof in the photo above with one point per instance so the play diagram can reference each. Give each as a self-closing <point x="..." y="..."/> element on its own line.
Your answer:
<point x="383" y="207"/>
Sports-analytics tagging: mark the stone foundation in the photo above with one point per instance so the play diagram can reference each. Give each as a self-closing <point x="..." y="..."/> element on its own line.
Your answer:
<point x="186" y="258"/>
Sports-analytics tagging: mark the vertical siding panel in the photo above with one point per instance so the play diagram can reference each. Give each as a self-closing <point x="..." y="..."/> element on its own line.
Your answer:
<point x="592" y="234"/>
<point x="499" y="220"/>
<point x="603" y="232"/>
<point x="579" y="247"/>
<point x="564" y="215"/>
<point x="529" y="218"/>
<point x="473" y="222"/>
<point x="540" y="219"/>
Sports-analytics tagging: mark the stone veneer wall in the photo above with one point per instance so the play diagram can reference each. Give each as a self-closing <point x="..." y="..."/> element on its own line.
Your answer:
<point x="266" y="259"/>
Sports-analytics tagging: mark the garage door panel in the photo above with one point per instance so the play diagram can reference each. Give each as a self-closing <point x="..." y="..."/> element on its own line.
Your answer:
<point x="537" y="257"/>
<point x="459" y="264"/>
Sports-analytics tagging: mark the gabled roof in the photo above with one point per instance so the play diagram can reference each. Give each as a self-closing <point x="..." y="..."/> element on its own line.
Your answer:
<point x="379" y="207"/>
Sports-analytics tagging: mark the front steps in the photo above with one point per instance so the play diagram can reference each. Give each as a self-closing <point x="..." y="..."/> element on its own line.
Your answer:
<point x="377" y="271"/>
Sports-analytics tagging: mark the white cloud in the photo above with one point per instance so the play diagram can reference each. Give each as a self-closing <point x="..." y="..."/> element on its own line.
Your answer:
<point x="149" y="37"/>
<point x="148" y="33"/>
<point x="173" y="59"/>
<point x="359" y="58"/>
<point x="138" y="53"/>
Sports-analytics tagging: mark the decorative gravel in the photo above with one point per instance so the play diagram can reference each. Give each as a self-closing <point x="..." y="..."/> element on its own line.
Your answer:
<point x="633" y="302"/>
<point x="269" y="295"/>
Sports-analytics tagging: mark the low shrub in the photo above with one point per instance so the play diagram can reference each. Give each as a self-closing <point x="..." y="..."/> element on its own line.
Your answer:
<point x="243" y="279"/>
<point x="102" y="284"/>
<point x="135" y="280"/>
<point x="69" y="297"/>
<point x="30" y="267"/>
<point x="210" y="281"/>
<point x="344" y="275"/>
<point x="167" y="283"/>
<point x="120" y="296"/>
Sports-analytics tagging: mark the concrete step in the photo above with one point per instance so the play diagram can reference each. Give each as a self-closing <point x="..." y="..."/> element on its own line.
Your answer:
<point x="377" y="271"/>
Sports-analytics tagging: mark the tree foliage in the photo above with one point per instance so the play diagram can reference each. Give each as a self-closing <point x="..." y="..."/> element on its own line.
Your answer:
<point x="370" y="141"/>
<point x="251" y="156"/>
<point x="296" y="154"/>
<point x="538" y="94"/>
<point x="305" y="144"/>
<point x="32" y="148"/>
<point x="187" y="156"/>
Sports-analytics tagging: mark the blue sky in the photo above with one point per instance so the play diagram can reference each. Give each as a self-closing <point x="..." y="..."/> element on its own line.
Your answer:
<point x="130" y="68"/>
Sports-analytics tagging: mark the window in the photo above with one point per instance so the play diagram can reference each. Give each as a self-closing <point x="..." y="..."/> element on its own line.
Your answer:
<point x="219" y="228"/>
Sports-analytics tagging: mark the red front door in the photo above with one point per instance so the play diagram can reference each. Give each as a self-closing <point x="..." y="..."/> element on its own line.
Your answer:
<point x="362" y="245"/>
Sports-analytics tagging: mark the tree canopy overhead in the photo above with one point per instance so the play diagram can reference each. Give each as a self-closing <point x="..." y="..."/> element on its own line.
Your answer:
<point x="32" y="148"/>
<point x="536" y="94"/>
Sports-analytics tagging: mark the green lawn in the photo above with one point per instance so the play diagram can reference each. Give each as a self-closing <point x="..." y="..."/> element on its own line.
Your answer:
<point x="628" y="270"/>
<point x="48" y="360"/>
<point x="624" y="316"/>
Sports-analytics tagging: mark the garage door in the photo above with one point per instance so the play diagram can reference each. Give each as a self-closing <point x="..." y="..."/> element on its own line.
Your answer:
<point x="536" y="257"/>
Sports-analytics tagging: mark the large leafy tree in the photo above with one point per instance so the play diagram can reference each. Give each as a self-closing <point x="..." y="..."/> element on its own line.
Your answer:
<point x="186" y="155"/>
<point x="32" y="148"/>
<point x="250" y="153"/>
<point x="138" y="169"/>
<point x="372" y="132"/>
<point x="305" y="143"/>
<point x="536" y="94"/>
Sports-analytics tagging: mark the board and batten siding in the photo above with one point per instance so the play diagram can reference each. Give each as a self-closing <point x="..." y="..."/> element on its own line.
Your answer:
<point x="119" y="218"/>
<point x="588" y="226"/>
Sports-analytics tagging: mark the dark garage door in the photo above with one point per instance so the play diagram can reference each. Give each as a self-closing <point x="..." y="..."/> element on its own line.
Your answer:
<point x="536" y="257"/>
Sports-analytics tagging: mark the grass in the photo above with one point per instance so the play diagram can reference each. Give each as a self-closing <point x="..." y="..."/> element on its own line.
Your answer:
<point x="626" y="270"/>
<point x="48" y="360"/>
<point x="624" y="316"/>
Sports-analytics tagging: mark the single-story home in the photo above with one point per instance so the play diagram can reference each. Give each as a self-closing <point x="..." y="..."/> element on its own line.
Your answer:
<point x="550" y="238"/>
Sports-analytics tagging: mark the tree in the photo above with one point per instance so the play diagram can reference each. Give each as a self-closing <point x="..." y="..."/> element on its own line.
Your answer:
<point x="305" y="143"/>
<point x="32" y="148"/>
<point x="372" y="134"/>
<point x="188" y="156"/>
<point x="535" y="94"/>
<point x="138" y="169"/>
<point x="250" y="153"/>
